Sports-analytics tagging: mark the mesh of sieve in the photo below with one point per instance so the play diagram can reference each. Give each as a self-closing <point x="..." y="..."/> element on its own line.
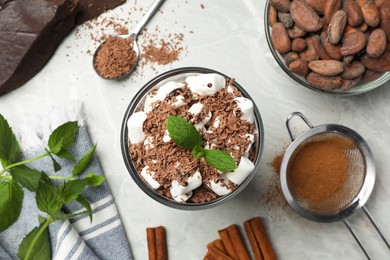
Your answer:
<point x="331" y="190"/>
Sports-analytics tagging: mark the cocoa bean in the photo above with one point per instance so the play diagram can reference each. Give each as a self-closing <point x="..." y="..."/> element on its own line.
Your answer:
<point x="370" y="12"/>
<point x="337" y="26"/>
<point x="296" y="32"/>
<point x="326" y="67"/>
<point x="380" y="64"/>
<point x="330" y="8"/>
<point x="388" y="46"/>
<point x="350" y="83"/>
<point x="317" y="5"/>
<point x="385" y="19"/>
<point x="353" y="70"/>
<point x="280" y="39"/>
<point x="304" y="16"/>
<point x="363" y="27"/>
<point x="322" y="54"/>
<point x="376" y="44"/>
<point x="348" y="59"/>
<point x="281" y="5"/>
<point x="325" y="25"/>
<point x="370" y="75"/>
<point x="272" y="16"/>
<point x="298" y="45"/>
<point x="310" y="53"/>
<point x="332" y="50"/>
<point x="299" y="67"/>
<point x="352" y="43"/>
<point x="286" y="19"/>
<point x="324" y="82"/>
<point x="354" y="13"/>
<point x="379" y="3"/>
<point x="290" y="57"/>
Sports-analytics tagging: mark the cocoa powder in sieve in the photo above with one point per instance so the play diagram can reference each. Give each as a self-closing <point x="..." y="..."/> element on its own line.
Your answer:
<point x="115" y="58"/>
<point x="320" y="168"/>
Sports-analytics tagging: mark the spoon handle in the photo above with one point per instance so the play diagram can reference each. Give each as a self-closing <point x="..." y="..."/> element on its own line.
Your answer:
<point x="147" y="16"/>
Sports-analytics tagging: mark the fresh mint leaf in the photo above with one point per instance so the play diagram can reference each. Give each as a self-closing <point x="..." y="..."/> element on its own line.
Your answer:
<point x="11" y="199"/>
<point x="63" y="136"/>
<point x="41" y="219"/>
<point x="48" y="196"/>
<point x="27" y="177"/>
<point x="94" y="180"/>
<point x="198" y="151"/>
<point x="41" y="248"/>
<point x="61" y="215"/>
<point x="220" y="160"/>
<point x="183" y="133"/>
<point x="83" y="163"/>
<point x="56" y="165"/>
<point x="72" y="189"/>
<point x="65" y="154"/>
<point x="80" y="199"/>
<point x="9" y="146"/>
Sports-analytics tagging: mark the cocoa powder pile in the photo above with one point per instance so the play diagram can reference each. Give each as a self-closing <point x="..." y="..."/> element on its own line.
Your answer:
<point x="115" y="58"/>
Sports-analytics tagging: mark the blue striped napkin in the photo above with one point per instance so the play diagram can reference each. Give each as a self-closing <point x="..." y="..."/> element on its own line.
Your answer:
<point x="77" y="238"/>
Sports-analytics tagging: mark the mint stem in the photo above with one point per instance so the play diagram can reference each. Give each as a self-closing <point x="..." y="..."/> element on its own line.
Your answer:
<point x="23" y="162"/>
<point x="7" y="177"/>
<point x="35" y="239"/>
<point x="62" y="178"/>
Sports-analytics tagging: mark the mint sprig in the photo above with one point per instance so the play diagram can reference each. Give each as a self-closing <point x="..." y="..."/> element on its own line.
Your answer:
<point x="50" y="197"/>
<point x="185" y="135"/>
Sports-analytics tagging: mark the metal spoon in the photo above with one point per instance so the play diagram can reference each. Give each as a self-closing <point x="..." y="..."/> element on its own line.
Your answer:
<point x="133" y="38"/>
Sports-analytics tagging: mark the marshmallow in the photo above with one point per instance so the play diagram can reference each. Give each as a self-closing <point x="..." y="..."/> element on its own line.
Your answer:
<point x="149" y="100"/>
<point x="180" y="197"/>
<point x="230" y="89"/>
<point x="148" y="177"/>
<point x="135" y="127"/>
<point x="206" y="84"/>
<point x="216" y="122"/>
<point x="200" y="127"/>
<point x="220" y="188"/>
<point x="166" y="137"/>
<point x="245" y="167"/>
<point x="251" y="138"/>
<point x="167" y="88"/>
<point x="148" y="143"/>
<point x="193" y="182"/>
<point x="179" y="101"/>
<point x="196" y="108"/>
<point x="246" y="107"/>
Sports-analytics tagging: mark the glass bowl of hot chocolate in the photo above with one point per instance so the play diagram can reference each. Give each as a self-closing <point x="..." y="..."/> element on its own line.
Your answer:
<point x="224" y="115"/>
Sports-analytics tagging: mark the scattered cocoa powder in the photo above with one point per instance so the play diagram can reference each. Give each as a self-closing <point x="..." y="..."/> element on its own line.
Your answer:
<point x="161" y="51"/>
<point x="115" y="57"/>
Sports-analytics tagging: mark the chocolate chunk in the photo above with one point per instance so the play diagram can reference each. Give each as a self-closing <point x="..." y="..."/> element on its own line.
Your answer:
<point x="30" y="32"/>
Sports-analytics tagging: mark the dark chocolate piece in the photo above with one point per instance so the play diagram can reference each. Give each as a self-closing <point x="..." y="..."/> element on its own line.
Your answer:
<point x="30" y="32"/>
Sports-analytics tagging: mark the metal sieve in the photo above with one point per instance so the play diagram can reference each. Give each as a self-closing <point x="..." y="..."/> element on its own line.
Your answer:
<point x="354" y="190"/>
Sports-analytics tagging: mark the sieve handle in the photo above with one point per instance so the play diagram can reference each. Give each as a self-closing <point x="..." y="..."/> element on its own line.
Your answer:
<point x="376" y="226"/>
<point x="356" y="238"/>
<point x="289" y="119"/>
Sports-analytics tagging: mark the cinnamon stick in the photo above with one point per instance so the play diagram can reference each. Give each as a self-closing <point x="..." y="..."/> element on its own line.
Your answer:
<point x="234" y="243"/>
<point x="151" y="238"/>
<point x="259" y="240"/>
<point x="157" y="244"/>
<point x="161" y="243"/>
<point x="217" y="243"/>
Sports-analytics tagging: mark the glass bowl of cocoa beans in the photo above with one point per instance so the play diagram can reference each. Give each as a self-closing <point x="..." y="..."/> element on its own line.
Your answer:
<point x="331" y="46"/>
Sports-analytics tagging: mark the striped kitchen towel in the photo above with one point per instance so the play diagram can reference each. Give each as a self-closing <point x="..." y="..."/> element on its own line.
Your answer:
<point x="78" y="238"/>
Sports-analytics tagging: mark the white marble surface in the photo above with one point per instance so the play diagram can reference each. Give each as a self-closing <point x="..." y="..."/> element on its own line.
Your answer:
<point x="227" y="36"/>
